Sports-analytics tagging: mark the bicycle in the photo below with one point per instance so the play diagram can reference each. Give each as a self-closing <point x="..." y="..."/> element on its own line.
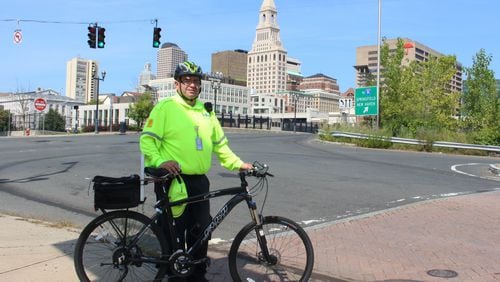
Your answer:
<point x="125" y="245"/>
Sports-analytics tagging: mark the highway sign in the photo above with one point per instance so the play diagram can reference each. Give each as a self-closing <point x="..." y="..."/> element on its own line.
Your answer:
<point x="365" y="101"/>
<point x="40" y="104"/>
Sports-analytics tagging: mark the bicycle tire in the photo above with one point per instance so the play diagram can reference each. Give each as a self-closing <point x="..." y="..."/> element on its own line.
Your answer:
<point x="99" y="242"/>
<point x="287" y="243"/>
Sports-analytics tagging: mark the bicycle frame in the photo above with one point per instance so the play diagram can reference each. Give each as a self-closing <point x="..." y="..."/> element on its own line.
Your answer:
<point x="240" y="194"/>
<point x="163" y="206"/>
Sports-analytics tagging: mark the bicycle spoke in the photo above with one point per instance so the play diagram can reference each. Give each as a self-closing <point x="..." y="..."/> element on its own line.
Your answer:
<point x="105" y="253"/>
<point x="290" y="253"/>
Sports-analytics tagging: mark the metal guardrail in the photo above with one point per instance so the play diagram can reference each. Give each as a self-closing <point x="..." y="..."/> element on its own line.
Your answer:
<point x="443" y="144"/>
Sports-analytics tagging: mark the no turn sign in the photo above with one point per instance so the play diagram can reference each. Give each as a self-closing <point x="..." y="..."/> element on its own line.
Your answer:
<point x="40" y="104"/>
<point x="18" y="36"/>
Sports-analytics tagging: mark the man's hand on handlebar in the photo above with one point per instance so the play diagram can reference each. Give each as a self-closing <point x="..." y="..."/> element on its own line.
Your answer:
<point x="173" y="167"/>
<point x="246" y="166"/>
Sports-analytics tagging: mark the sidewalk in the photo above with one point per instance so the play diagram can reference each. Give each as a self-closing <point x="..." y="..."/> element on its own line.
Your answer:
<point x="456" y="237"/>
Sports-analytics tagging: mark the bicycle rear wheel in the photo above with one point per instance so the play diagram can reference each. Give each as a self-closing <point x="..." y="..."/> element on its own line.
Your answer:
<point x="291" y="255"/>
<point x="104" y="251"/>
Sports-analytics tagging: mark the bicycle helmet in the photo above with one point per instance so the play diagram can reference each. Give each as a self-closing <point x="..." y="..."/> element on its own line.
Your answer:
<point x="187" y="68"/>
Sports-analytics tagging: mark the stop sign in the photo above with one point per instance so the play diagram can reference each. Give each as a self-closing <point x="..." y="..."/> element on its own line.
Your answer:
<point x="40" y="104"/>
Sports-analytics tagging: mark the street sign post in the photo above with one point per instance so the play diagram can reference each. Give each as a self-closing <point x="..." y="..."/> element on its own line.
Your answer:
<point x="365" y="100"/>
<point x="40" y="104"/>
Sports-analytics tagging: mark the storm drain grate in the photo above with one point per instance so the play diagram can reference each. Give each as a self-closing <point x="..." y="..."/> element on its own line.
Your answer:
<point x="442" y="273"/>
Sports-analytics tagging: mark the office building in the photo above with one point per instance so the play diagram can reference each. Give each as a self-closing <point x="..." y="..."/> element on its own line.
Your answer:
<point x="230" y="98"/>
<point x="320" y="81"/>
<point x="232" y="64"/>
<point x="168" y="57"/>
<point x="366" y="61"/>
<point x="267" y="62"/>
<point x="80" y="84"/>
<point x="144" y="78"/>
<point x="293" y="74"/>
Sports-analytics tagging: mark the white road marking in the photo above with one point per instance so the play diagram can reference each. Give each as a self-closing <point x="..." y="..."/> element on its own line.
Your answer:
<point x="455" y="169"/>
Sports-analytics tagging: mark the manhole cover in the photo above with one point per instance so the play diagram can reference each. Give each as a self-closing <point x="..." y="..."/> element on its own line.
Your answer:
<point x="442" y="273"/>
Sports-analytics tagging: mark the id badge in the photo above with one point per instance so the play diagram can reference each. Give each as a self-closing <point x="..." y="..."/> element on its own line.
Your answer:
<point x="199" y="144"/>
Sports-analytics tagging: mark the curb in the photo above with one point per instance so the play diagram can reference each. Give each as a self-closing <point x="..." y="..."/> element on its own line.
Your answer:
<point x="495" y="169"/>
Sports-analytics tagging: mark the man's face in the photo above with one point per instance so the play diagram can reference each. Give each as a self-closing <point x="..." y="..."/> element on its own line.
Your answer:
<point x="189" y="85"/>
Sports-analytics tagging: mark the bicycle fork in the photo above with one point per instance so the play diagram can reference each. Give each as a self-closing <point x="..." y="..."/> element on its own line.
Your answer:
<point x="265" y="256"/>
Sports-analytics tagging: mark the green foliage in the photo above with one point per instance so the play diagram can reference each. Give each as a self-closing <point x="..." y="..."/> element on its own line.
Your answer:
<point x="427" y="136"/>
<point x="139" y="111"/>
<point x="53" y="121"/>
<point x="374" y="141"/>
<point x="4" y="120"/>
<point x="416" y="94"/>
<point x="480" y="102"/>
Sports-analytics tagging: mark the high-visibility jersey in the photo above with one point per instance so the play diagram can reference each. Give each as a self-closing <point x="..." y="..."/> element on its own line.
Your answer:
<point x="186" y="134"/>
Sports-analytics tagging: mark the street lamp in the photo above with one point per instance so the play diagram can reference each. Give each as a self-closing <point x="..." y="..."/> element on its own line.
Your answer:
<point x="96" y="77"/>
<point x="215" y="80"/>
<point x="75" y="107"/>
<point x="294" y="95"/>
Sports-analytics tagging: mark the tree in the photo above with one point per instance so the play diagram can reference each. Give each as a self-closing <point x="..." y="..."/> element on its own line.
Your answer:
<point x="4" y="120"/>
<point x="53" y="121"/>
<point x="437" y="102"/>
<point x="480" y="105"/>
<point x="416" y="95"/>
<point x="393" y="114"/>
<point x="139" y="111"/>
<point x="23" y="101"/>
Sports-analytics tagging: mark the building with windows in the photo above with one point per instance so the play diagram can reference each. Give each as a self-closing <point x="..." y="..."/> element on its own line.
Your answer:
<point x="267" y="62"/>
<point x="230" y="98"/>
<point x="366" y="61"/>
<point x="25" y="115"/>
<point x="80" y="84"/>
<point x="232" y="64"/>
<point x="144" y="78"/>
<point x="112" y="111"/>
<point x="168" y="57"/>
<point x="294" y="75"/>
<point x="320" y="81"/>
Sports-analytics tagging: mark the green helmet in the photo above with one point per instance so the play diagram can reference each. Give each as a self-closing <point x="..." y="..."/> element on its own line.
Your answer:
<point x="187" y="68"/>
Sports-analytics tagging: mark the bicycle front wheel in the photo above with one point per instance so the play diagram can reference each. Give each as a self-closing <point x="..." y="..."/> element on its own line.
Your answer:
<point x="113" y="248"/>
<point x="282" y="253"/>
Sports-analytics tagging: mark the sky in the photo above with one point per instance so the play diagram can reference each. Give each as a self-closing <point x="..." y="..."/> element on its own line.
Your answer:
<point x="322" y="34"/>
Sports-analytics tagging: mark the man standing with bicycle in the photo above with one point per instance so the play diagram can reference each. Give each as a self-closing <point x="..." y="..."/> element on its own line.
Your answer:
<point x="180" y="136"/>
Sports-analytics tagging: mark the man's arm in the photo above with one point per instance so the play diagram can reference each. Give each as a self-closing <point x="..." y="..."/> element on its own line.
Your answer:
<point x="228" y="159"/>
<point x="152" y="137"/>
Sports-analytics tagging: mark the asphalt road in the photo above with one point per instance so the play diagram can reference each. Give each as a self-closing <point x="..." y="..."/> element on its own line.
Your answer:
<point x="315" y="182"/>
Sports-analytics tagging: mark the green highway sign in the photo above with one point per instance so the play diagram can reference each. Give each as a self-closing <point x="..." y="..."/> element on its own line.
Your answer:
<point x="365" y="101"/>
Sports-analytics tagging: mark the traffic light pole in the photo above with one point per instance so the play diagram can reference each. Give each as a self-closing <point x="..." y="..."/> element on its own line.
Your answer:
<point x="96" y="123"/>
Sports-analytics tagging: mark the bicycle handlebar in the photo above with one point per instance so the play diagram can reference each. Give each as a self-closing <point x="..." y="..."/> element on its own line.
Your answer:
<point x="258" y="170"/>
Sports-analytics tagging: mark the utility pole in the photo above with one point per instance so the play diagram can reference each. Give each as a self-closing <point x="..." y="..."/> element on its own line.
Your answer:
<point x="378" y="63"/>
<point x="295" y="98"/>
<point x="96" y="77"/>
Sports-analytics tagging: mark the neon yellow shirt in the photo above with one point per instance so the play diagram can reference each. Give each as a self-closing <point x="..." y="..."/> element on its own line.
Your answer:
<point x="186" y="134"/>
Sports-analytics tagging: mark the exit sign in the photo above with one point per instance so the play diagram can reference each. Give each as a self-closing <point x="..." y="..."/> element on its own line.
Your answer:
<point x="365" y="101"/>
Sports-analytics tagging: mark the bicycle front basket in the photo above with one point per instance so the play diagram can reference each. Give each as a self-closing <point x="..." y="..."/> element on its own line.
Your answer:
<point x="117" y="192"/>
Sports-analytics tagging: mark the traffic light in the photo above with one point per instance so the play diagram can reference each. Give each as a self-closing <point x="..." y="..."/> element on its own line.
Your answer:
<point x="156" y="37"/>
<point x="100" y="37"/>
<point x="92" y="36"/>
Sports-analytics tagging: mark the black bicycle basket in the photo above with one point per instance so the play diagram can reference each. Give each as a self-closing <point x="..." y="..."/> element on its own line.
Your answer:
<point x="117" y="192"/>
